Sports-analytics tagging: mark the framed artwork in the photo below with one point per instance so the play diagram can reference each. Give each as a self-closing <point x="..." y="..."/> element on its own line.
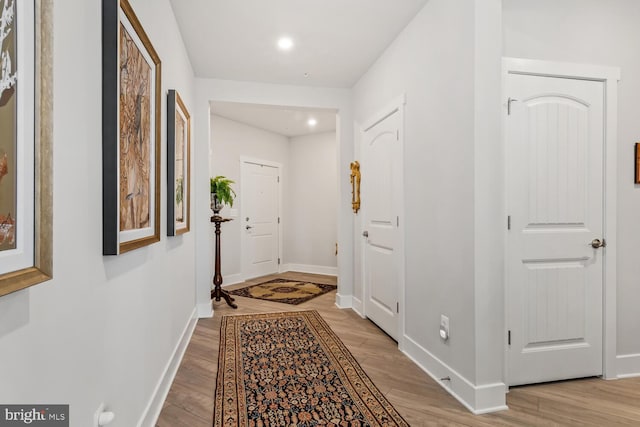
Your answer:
<point x="637" y="169"/>
<point x="178" y="165"/>
<point x="130" y="132"/>
<point x="26" y="100"/>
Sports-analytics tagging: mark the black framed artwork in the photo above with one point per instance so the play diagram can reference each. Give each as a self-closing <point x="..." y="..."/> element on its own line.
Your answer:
<point x="178" y="165"/>
<point x="131" y="118"/>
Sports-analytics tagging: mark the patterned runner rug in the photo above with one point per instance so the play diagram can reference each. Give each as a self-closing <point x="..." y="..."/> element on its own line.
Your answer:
<point x="281" y="369"/>
<point x="285" y="290"/>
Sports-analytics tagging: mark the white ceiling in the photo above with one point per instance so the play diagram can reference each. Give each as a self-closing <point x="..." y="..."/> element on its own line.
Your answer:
<point x="288" y="121"/>
<point x="336" y="41"/>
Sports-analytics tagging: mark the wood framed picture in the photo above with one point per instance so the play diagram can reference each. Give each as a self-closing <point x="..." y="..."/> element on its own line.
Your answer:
<point x="178" y="165"/>
<point x="637" y="169"/>
<point x="130" y="132"/>
<point x="26" y="101"/>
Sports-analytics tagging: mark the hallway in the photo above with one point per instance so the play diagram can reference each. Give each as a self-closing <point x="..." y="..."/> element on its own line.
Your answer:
<point x="418" y="398"/>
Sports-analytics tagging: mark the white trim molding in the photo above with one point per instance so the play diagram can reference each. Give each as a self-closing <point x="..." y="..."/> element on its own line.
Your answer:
<point x="481" y="399"/>
<point x="610" y="77"/>
<point x="358" y="306"/>
<point x="152" y="411"/>
<point x="344" y="301"/>
<point x="628" y="365"/>
<point x="232" y="279"/>
<point x="205" y="311"/>
<point x="396" y="104"/>
<point x="310" y="269"/>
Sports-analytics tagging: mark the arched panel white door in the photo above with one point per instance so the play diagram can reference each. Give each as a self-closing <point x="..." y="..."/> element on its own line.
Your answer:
<point x="555" y="141"/>
<point x="381" y="188"/>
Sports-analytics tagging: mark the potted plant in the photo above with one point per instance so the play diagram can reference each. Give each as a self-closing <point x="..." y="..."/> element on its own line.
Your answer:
<point x="221" y="193"/>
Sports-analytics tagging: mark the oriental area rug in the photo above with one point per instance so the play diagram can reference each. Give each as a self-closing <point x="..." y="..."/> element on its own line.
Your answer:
<point x="281" y="369"/>
<point x="284" y="290"/>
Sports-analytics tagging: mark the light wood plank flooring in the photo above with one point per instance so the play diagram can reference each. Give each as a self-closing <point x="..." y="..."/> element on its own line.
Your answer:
<point x="419" y="399"/>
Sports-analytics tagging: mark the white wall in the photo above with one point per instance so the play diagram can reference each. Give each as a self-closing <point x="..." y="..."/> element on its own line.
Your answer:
<point x="489" y="200"/>
<point x="105" y="327"/>
<point x="231" y="140"/>
<point x="603" y="33"/>
<point x="449" y="70"/>
<point x="312" y="201"/>
<point x="309" y="199"/>
<point x="208" y="90"/>
<point x="432" y="62"/>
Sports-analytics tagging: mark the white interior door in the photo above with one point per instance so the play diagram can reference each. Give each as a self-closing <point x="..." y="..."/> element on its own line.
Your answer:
<point x="555" y="141"/>
<point x="381" y="201"/>
<point x="260" y="219"/>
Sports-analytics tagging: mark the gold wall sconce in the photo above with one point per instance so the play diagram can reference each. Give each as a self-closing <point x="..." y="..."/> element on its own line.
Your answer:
<point x="355" y="186"/>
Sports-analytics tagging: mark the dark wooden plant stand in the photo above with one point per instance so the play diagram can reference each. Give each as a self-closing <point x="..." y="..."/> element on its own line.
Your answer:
<point x="217" y="292"/>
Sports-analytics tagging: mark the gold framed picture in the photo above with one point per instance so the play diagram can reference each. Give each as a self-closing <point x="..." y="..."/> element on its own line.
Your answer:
<point x="130" y="132"/>
<point x="25" y="143"/>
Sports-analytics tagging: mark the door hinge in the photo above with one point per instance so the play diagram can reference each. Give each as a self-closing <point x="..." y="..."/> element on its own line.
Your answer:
<point x="397" y="307"/>
<point x="509" y="222"/>
<point x="509" y="337"/>
<point x="509" y="101"/>
<point x="278" y="220"/>
<point x="398" y="135"/>
<point x="398" y="221"/>
<point x="278" y="261"/>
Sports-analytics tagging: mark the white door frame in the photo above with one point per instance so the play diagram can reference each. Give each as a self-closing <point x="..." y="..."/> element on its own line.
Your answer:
<point x="243" y="249"/>
<point x="610" y="77"/>
<point x="397" y="105"/>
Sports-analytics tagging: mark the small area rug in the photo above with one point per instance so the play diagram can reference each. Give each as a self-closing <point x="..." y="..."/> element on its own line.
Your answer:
<point x="285" y="290"/>
<point x="290" y="369"/>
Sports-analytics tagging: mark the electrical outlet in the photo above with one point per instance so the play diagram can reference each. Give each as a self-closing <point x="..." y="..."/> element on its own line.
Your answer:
<point x="444" y="327"/>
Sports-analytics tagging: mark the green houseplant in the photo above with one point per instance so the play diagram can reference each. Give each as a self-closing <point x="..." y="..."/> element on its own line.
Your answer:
<point x="221" y="192"/>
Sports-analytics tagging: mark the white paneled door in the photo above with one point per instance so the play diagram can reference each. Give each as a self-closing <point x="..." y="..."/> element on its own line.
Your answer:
<point x="381" y="201"/>
<point x="555" y="143"/>
<point x="260" y="219"/>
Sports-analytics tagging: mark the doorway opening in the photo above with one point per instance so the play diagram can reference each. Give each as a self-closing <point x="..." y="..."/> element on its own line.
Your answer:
<point x="284" y="164"/>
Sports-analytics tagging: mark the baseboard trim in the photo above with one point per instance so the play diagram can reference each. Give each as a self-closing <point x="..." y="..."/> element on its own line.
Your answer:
<point x="205" y="311"/>
<point x="232" y="279"/>
<point x="477" y="399"/>
<point x="344" y="301"/>
<point x="358" y="306"/>
<point x="154" y="407"/>
<point x="310" y="269"/>
<point x="628" y="365"/>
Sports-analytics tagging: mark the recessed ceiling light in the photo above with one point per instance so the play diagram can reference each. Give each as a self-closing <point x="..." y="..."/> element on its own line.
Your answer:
<point x="312" y="122"/>
<point x="285" y="43"/>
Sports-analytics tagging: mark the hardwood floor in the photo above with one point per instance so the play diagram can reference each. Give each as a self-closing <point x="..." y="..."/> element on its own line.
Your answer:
<point x="419" y="399"/>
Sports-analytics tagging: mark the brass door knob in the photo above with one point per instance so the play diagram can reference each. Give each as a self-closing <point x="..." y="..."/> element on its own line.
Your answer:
<point x="597" y="243"/>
